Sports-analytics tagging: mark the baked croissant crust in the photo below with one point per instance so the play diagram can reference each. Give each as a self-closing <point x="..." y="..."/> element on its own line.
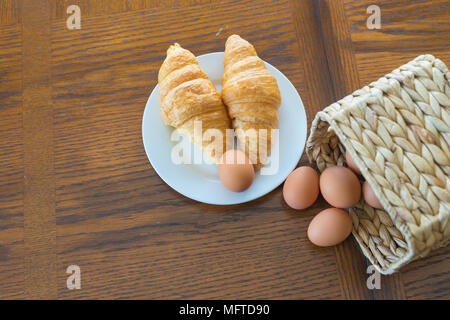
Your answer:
<point x="252" y="97"/>
<point x="188" y="96"/>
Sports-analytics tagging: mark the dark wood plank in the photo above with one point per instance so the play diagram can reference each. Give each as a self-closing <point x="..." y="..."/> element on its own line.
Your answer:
<point x="428" y="278"/>
<point x="340" y="54"/>
<point x="406" y="26"/>
<point x="91" y="8"/>
<point x="39" y="183"/>
<point x="352" y="268"/>
<point x="317" y="91"/>
<point x="9" y="12"/>
<point x="12" y="269"/>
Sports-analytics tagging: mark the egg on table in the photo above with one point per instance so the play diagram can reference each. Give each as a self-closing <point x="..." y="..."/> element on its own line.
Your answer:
<point x="329" y="227"/>
<point x="301" y="188"/>
<point x="236" y="172"/>
<point x="340" y="187"/>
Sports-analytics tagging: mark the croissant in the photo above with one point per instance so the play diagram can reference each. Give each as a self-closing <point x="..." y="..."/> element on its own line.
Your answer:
<point x="188" y="98"/>
<point x="252" y="97"/>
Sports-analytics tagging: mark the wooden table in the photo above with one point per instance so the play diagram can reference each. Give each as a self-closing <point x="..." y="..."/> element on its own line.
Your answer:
<point x="76" y="187"/>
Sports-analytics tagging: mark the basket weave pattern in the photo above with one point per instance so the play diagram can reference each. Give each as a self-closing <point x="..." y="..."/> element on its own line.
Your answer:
<point x="397" y="131"/>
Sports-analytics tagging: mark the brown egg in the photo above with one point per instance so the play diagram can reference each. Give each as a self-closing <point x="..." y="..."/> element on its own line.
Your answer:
<point x="370" y="197"/>
<point x="340" y="187"/>
<point x="351" y="164"/>
<point x="329" y="227"/>
<point x="236" y="171"/>
<point x="301" y="188"/>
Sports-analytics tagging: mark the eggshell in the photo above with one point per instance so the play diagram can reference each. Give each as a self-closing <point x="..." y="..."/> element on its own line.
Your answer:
<point x="236" y="172"/>
<point x="329" y="227"/>
<point x="340" y="187"/>
<point x="301" y="188"/>
<point x="370" y="197"/>
<point x="351" y="164"/>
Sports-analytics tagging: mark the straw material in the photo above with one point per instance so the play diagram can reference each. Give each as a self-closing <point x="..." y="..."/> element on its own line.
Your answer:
<point x="397" y="131"/>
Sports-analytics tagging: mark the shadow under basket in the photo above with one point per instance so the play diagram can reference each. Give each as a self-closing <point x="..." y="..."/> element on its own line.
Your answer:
<point x="397" y="130"/>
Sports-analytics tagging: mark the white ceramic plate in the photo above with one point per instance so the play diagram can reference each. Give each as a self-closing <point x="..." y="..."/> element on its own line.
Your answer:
<point x="200" y="181"/>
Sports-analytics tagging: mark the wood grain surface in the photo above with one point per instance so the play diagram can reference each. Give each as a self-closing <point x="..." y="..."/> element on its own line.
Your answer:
<point x="76" y="187"/>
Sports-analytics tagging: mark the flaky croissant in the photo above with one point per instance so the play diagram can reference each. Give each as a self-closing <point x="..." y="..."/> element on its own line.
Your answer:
<point x="188" y="98"/>
<point x="252" y="97"/>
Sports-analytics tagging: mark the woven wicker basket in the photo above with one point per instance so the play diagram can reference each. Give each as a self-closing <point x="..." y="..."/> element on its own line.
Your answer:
<point x="397" y="131"/>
